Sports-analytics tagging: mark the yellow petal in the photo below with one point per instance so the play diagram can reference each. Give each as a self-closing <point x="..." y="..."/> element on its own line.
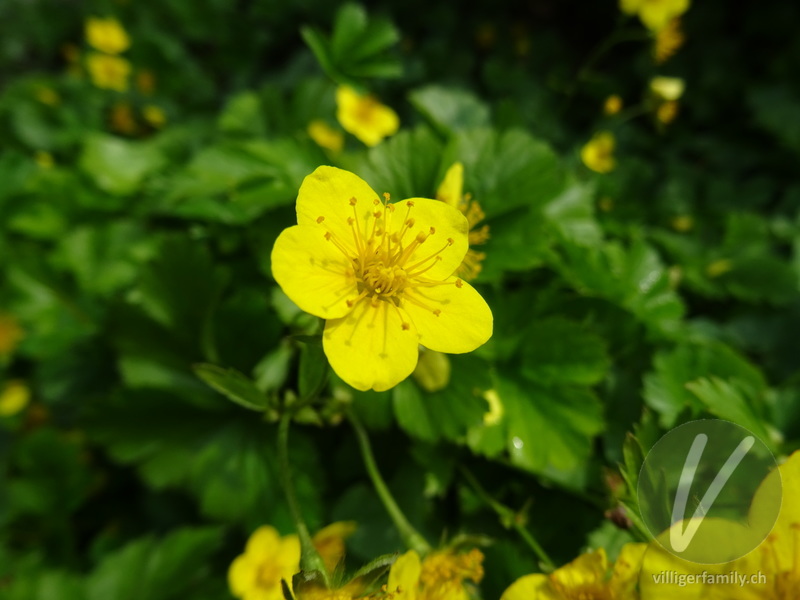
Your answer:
<point x="313" y="272"/>
<point x="326" y="193"/>
<point x="242" y="575"/>
<point x="657" y="15"/>
<point x="587" y="570"/>
<point x="464" y="323"/>
<point x="370" y="348"/>
<point x="627" y="568"/>
<point x="405" y="574"/>
<point x="669" y="88"/>
<point x="531" y="587"/>
<point x="264" y="541"/>
<point x="288" y="555"/>
<point x="14" y="397"/>
<point x="447" y="224"/>
<point x="451" y="190"/>
<point x="258" y="593"/>
<point x="329" y="542"/>
<point x="630" y="7"/>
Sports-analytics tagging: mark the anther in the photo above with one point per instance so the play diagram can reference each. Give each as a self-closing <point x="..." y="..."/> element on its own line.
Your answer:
<point x="410" y="222"/>
<point x="350" y="220"/>
<point x="350" y="303"/>
<point x="421" y="237"/>
<point x="376" y="202"/>
<point x="459" y="283"/>
<point x="328" y="235"/>
<point x="450" y="241"/>
<point x="377" y="214"/>
<point x="433" y="230"/>
<point x="437" y="312"/>
<point x="410" y="203"/>
<point x="320" y="219"/>
<point x="406" y="326"/>
<point x="387" y="197"/>
<point x="353" y="201"/>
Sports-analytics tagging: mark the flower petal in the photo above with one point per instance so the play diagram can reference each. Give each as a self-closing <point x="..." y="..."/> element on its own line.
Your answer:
<point x="405" y="574"/>
<point x="464" y="323"/>
<point x="264" y="541"/>
<point x="369" y="348"/>
<point x="531" y="587"/>
<point x="313" y="272"/>
<point x="242" y="575"/>
<point x="451" y="190"/>
<point x="447" y="223"/>
<point x="327" y="193"/>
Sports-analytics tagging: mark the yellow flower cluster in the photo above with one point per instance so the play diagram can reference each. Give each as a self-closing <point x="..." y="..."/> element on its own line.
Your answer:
<point x="109" y="38"/>
<point x="655" y="14"/>
<point x="439" y="576"/>
<point x="14" y="397"/>
<point x="382" y="275"/>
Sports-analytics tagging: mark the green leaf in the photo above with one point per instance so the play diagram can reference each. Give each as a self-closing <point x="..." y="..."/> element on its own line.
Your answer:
<point x="448" y="413"/>
<point x="349" y="26"/>
<point x="233" y="385"/>
<point x="665" y="388"/>
<point x="549" y="431"/>
<point x="313" y="373"/>
<point x="155" y="569"/>
<point x="572" y="215"/>
<point x="449" y="109"/>
<point x="734" y="401"/>
<point x="242" y="115"/>
<point x="406" y="166"/>
<point x="506" y="170"/>
<point x="119" y="166"/>
<point x="561" y="351"/>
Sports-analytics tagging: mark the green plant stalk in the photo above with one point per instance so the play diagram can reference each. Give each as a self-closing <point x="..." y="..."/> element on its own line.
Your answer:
<point x="509" y="517"/>
<point x="411" y="537"/>
<point x="310" y="560"/>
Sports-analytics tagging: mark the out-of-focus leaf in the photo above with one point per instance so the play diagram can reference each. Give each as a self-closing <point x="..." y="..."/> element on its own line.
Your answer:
<point x="233" y="385"/>
<point x="155" y="569"/>
<point x="449" y="109"/>
<point x="560" y="351"/>
<point x="119" y="166"/>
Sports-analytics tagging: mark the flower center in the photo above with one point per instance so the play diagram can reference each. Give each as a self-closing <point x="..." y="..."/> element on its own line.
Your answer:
<point x="268" y="576"/>
<point x="385" y="256"/>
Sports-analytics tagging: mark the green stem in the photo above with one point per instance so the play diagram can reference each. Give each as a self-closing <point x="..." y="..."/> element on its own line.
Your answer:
<point x="310" y="560"/>
<point x="411" y="537"/>
<point x="509" y="518"/>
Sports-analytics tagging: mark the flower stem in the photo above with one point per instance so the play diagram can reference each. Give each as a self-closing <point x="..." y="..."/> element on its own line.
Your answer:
<point x="411" y="537"/>
<point x="310" y="560"/>
<point x="509" y="518"/>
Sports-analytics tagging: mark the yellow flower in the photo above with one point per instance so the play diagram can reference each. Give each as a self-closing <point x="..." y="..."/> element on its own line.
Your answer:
<point x="154" y="115"/>
<point x="11" y="334"/>
<point x="365" y="117"/>
<point x="433" y="371"/>
<point x="267" y="559"/>
<point x="668" y="41"/>
<point x="655" y="14"/>
<point x="14" y="398"/>
<point x="329" y="542"/>
<point x="325" y="136"/>
<point x="598" y="153"/>
<point x="584" y="578"/>
<point x="440" y="576"/>
<point x="719" y="267"/>
<point x="381" y="274"/>
<point x="121" y="119"/>
<point x="106" y="35"/>
<point x="451" y="192"/>
<point x="682" y="223"/>
<point x="668" y="88"/>
<point x="109" y="72"/>
<point x="612" y="105"/>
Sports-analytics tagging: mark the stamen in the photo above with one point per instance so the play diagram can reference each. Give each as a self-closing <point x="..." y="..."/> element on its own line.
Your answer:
<point x="352" y="303"/>
<point x="353" y="201"/>
<point x="332" y="238"/>
<point x="404" y="325"/>
<point x="795" y="527"/>
<point x="320" y="219"/>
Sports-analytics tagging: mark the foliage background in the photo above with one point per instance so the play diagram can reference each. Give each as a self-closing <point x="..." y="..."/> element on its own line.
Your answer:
<point x="133" y="257"/>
